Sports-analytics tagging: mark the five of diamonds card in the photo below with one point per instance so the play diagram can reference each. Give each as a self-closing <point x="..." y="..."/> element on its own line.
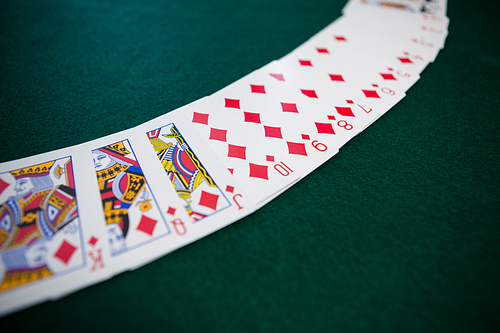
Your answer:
<point x="73" y="217"/>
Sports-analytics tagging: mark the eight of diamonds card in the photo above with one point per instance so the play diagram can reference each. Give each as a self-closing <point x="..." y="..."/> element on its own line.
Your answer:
<point x="52" y="236"/>
<point x="211" y="196"/>
<point x="138" y="212"/>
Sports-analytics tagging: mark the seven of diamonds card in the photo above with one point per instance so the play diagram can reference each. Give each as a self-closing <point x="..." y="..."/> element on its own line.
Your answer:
<point x="52" y="236"/>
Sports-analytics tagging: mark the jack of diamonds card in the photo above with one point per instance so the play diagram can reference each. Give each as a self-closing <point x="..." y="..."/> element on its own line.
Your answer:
<point x="52" y="240"/>
<point x="260" y="169"/>
<point x="211" y="196"/>
<point x="192" y="181"/>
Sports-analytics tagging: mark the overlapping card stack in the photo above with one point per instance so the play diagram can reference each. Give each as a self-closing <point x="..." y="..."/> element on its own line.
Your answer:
<point x="73" y="217"/>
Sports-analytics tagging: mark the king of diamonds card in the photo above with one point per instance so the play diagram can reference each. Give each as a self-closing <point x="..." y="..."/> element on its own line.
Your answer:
<point x="51" y="239"/>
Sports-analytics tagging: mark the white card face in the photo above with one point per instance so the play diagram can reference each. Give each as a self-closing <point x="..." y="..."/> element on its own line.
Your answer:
<point x="390" y="56"/>
<point x="350" y="32"/>
<point x="404" y="25"/>
<point x="350" y="68"/>
<point x="396" y="30"/>
<point x="52" y="235"/>
<point x="212" y="197"/>
<point x="352" y="107"/>
<point x="139" y="214"/>
<point x="436" y="8"/>
<point x="261" y="171"/>
<point x="283" y="122"/>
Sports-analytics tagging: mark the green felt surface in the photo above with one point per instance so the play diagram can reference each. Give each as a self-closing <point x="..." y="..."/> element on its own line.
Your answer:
<point x="398" y="232"/>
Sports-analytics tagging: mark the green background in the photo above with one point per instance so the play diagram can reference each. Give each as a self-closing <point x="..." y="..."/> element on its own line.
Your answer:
<point x="398" y="232"/>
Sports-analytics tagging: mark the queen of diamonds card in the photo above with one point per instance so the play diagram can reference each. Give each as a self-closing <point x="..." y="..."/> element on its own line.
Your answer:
<point x="132" y="214"/>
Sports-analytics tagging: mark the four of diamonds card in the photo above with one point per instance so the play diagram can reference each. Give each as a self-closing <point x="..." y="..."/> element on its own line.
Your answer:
<point x="73" y="217"/>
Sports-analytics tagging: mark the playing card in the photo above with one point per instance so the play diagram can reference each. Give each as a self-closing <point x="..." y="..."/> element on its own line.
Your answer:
<point x="350" y="67"/>
<point x="269" y="110"/>
<point x="386" y="40"/>
<point x="352" y="107"/>
<point x="392" y="56"/>
<point x="401" y="25"/>
<point x="73" y="217"/>
<point x="346" y="60"/>
<point x="140" y="215"/>
<point x="212" y="196"/>
<point x="52" y="237"/>
<point x="261" y="171"/>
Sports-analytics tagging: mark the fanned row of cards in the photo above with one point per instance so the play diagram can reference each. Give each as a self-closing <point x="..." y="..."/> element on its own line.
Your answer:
<point x="73" y="217"/>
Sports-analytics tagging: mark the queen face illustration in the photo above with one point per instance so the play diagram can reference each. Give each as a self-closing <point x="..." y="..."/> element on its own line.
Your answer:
<point x="101" y="160"/>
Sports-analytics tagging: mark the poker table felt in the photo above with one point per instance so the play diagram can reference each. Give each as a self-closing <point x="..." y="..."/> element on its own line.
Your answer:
<point x="400" y="231"/>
